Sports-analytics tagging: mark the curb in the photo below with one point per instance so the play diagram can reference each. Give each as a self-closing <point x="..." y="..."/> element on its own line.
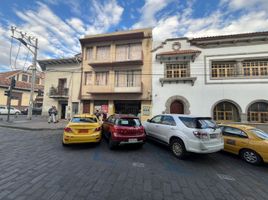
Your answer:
<point x="30" y="129"/>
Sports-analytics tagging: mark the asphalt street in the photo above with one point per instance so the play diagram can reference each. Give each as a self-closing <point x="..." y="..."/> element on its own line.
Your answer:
<point x="34" y="165"/>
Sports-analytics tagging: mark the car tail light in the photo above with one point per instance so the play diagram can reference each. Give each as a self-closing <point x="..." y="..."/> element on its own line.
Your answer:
<point x="68" y="130"/>
<point x="98" y="129"/>
<point x="200" y="135"/>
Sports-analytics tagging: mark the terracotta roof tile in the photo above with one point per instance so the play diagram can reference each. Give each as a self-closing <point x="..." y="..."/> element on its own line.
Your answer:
<point x="9" y="73"/>
<point x="180" y="52"/>
<point x="265" y="33"/>
<point x="5" y="82"/>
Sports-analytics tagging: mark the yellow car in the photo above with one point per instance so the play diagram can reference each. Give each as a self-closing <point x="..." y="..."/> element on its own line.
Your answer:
<point x="248" y="142"/>
<point x="83" y="128"/>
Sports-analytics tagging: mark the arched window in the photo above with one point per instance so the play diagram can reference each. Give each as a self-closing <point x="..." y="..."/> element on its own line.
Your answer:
<point x="226" y="111"/>
<point x="258" y="112"/>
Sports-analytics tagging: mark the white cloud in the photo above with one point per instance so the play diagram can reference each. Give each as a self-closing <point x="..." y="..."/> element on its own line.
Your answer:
<point x="245" y="4"/>
<point x="149" y="11"/>
<point x="166" y="28"/>
<point x="106" y="15"/>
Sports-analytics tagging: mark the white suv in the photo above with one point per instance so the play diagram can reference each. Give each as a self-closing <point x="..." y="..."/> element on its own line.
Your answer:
<point x="185" y="133"/>
<point x="13" y="111"/>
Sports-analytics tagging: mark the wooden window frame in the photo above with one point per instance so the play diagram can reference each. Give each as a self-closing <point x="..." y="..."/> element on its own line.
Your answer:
<point x="220" y="70"/>
<point x="255" y="68"/>
<point x="177" y="70"/>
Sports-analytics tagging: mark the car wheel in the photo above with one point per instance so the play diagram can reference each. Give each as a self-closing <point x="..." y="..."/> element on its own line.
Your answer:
<point x="251" y="156"/>
<point x="178" y="148"/>
<point x="111" y="143"/>
<point x="17" y="113"/>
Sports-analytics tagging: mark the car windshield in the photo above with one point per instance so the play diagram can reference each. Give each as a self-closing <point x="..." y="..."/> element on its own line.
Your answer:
<point x="84" y="120"/>
<point x="259" y="133"/>
<point x="199" y="122"/>
<point x="128" y="122"/>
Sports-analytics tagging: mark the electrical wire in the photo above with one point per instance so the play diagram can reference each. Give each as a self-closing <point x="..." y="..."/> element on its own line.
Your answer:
<point x="15" y="62"/>
<point x="10" y="52"/>
<point x="26" y="60"/>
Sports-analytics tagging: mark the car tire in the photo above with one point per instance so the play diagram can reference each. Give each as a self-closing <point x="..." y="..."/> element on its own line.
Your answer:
<point x="111" y="143"/>
<point x="251" y="157"/>
<point x="177" y="148"/>
<point x="17" y="113"/>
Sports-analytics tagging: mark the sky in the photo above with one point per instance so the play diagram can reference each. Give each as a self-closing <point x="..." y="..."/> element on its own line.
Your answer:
<point x="58" y="24"/>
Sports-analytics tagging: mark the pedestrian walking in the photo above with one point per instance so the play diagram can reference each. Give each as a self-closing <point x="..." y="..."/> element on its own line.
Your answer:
<point x="98" y="114"/>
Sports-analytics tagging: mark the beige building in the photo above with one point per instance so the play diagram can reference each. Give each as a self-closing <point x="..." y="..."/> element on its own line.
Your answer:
<point x="21" y="92"/>
<point x="117" y="73"/>
<point x="62" y="85"/>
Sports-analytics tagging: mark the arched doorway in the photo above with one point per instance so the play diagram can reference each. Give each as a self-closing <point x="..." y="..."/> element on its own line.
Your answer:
<point x="258" y="112"/>
<point x="226" y="111"/>
<point x="177" y="107"/>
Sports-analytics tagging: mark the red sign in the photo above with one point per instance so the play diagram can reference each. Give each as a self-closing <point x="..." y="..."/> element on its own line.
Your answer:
<point x="104" y="108"/>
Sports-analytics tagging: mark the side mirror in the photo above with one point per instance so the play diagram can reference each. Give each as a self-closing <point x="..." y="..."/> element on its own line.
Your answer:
<point x="148" y="120"/>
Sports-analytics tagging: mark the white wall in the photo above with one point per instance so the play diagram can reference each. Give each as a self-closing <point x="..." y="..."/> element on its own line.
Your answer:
<point x="204" y="94"/>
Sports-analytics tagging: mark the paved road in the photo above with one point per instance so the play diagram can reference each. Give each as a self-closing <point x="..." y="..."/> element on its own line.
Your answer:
<point x="34" y="165"/>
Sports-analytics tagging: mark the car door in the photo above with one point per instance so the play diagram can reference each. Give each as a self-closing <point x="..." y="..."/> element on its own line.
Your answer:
<point x="107" y="124"/>
<point x="166" y="128"/>
<point x="152" y="127"/>
<point x="12" y="111"/>
<point x="234" y="139"/>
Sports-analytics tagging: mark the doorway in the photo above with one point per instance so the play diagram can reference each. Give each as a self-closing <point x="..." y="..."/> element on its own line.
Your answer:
<point x="177" y="107"/>
<point x="127" y="107"/>
<point x="63" y="110"/>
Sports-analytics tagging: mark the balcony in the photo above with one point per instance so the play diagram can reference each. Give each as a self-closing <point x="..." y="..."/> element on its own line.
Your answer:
<point x="108" y="89"/>
<point x="117" y="62"/>
<point x="58" y="92"/>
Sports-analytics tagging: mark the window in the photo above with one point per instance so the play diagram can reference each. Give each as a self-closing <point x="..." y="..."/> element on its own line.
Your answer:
<point x="129" y="52"/>
<point x="103" y="53"/>
<point x="156" y="119"/>
<point x="128" y="78"/>
<point x="84" y="120"/>
<point x="24" y="78"/>
<point x="101" y="78"/>
<point x="75" y="107"/>
<point x="89" y="54"/>
<point x="111" y="119"/>
<point x="30" y="79"/>
<point x="88" y="78"/>
<point x="226" y="111"/>
<point x="259" y="133"/>
<point x="255" y="68"/>
<point x="234" y="132"/>
<point x="37" y="80"/>
<point x="168" y="120"/>
<point x="178" y="70"/>
<point x="222" y="69"/>
<point x="128" y="122"/>
<point x="258" y="112"/>
<point x="199" y="123"/>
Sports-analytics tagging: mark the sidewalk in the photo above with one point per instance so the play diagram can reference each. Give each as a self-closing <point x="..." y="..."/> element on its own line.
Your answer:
<point x="37" y="123"/>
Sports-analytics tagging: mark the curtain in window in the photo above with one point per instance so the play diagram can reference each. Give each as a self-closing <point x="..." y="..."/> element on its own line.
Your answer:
<point x="121" y="52"/>
<point x="135" y="51"/>
<point x="89" y="54"/>
<point x="128" y="79"/>
<point x="88" y="78"/>
<point x="101" y="78"/>
<point x="103" y="53"/>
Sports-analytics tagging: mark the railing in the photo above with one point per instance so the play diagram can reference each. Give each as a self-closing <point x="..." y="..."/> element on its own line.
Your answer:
<point x="58" y="92"/>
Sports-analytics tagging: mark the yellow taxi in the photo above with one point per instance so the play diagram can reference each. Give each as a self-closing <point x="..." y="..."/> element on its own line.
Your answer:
<point x="84" y="128"/>
<point x="248" y="142"/>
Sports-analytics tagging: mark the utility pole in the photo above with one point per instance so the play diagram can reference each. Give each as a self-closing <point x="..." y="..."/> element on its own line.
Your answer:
<point x="31" y="43"/>
<point x="30" y="109"/>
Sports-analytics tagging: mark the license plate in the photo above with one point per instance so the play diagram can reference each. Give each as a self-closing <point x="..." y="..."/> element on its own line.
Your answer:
<point x="213" y="136"/>
<point x="83" y="131"/>
<point x="132" y="140"/>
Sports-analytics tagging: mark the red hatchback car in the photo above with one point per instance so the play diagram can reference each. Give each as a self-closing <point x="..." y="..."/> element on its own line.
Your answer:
<point x="123" y="129"/>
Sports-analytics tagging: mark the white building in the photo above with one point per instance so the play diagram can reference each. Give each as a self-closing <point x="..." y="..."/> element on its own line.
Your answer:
<point x="225" y="77"/>
<point x="62" y="85"/>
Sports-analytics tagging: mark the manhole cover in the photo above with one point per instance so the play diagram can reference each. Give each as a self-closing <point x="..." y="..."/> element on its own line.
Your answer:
<point x="138" y="164"/>
<point x="226" y="177"/>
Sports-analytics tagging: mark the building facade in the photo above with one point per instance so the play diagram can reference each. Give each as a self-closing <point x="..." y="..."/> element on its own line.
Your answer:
<point x="225" y="77"/>
<point x="21" y="92"/>
<point x="62" y="85"/>
<point x="117" y="73"/>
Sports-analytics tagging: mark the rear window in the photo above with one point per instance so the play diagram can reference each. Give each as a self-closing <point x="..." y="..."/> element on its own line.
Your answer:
<point x="199" y="123"/>
<point x="128" y="122"/>
<point x="84" y="120"/>
<point x="261" y="134"/>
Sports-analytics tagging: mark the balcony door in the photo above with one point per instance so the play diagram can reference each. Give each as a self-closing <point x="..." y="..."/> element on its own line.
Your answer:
<point x="62" y="85"/>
